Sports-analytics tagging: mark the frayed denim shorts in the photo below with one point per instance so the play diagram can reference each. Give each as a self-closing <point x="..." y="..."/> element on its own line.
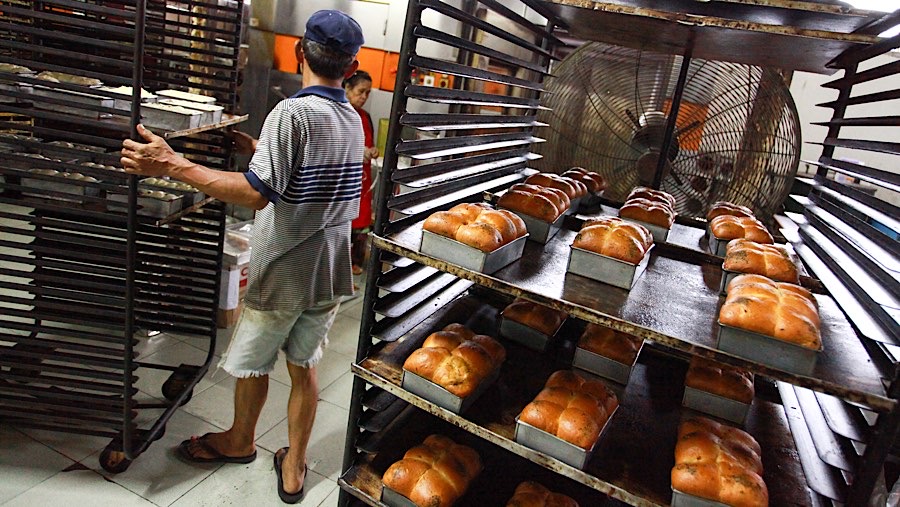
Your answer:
<point x="259" y="336"/>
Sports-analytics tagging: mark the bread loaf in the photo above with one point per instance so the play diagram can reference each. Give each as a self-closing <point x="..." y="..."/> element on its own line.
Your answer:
<point x="477" y="225"/>
<point x="727" y="208"/>
<point x="434" y="474"/>
<point x="720" y="379"/>
<point x="531" y="204"/>
<point x="719" y="463"/>
<point x="595" y="182"/>
<point x="783" y="311"/>
<point x="652" y="195"/>
<point x="651" y="212"/>
<point x="772" y="261"/>
<point x="606" y="342"/>
<point x="556" y="196"/>
<point x="456" y="359"/>
<point x="538" y="317"/>
<point x="572" y="408"/>
<point x="532" y="494"/>
<point x="731" y="227"/>
<point x="615" y="238"/>
<point x="567" y="185"/>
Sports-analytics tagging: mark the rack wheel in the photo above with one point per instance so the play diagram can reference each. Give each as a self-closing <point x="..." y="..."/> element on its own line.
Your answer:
<point x="173" y="387"/>
<point x="114" y="461"/>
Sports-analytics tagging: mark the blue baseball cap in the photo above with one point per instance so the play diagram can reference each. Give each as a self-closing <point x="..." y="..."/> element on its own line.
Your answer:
<point x="335" y="30"/>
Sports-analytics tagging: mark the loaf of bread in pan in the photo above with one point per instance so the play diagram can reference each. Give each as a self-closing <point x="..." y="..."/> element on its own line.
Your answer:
<point x="606" y="342"/>
<point x="536" y="202"/>
<point x="720" y="208"/>
<point x="532" y="494"/>
<point x="783" y="311"/>
<point x="456" y="359"/>
<point x="615" y="238"/>
<point x="572" y="408"/>
<point x="719" y="463"/>
<point x="731" y="227"/>
<point x="556" y="196"/>
<point x="573" y="188"/>
<point x="651" y="212"/>
<point x="538" y="317"/>
<point x="720" y="379"/>
<point x="771" y="261"/>
<point x="595" y="182"/>
<point x="477" y="225"/>
<point x="652" y="195"/>
<point x="434" y="474"/>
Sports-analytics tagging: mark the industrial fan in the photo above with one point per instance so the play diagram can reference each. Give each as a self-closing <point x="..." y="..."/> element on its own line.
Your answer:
<point x="736" y="134"/>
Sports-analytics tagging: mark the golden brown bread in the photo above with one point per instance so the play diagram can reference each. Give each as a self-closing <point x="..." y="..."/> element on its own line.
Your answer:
<point x="727" y="208"/>
<point x="772" y="261"/>
<point x="550" y="180"/>
<point x="606" y="342"/>
<point x="445" y="223"/>
<point x="482" y="236"/>
<point x="731" y="227"/>
<point x="531" y="204"/>
<point x="615" y="238"/>
<point x="651" y="212"/>
<point x="556" y="196"/>
<point x="516" y="220"/>
<point x="783" y="311"/>
<point x="652" y="195"/>
<point x="434" y="474"/>
<point x="539" y="317"/>
<point x="470" y="210"/>
<point x="719" y="463"/>
<point x="595" y="182"/>
<point x="572" y="408"/>
<point x="720" y="379"/>
<point x="501" y="222"/>
<point x="477" y="225"/>
<point x="532" y="494"/>
<point x="457" y="360"/>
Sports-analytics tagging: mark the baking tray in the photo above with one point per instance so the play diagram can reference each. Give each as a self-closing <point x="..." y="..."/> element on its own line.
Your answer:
<point x="76" y="153"/>
<point x="715" y="405"/>
<point x="606" y="269"/>
<point x="171" y="118"/>
<point x="604" y="366"/>
<point x="421" y="386"/>
<point x="123" y="95"/>
<point x="660" y="234"/>
<point x="539" y="230"/>
<point x="193" y="97"/>
<point x="717" y="246"/>
<point x="70" y="96"/>
<point x="210" y="113"/>
<point x="469" y="257"/>
<point x="391" y="498"/>
<point x="190" y="198"/>
<point x="524" y="335"/>
<point x="147" y="206"/>
<point x="15" y="88"/>
<point x="62" y="186"/>
<point x="551" y="445"/>
<point x="767" y="350"/>
<point x="727" y="277"/>
<point x="680" y="499"/>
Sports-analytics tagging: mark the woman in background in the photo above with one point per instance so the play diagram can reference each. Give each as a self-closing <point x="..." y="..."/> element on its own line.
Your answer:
<point x="357" y="88"/>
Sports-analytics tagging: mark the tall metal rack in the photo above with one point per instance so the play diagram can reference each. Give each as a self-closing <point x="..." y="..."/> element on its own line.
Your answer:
<point x="825" y="435"/>
<point x="83" y="278"/>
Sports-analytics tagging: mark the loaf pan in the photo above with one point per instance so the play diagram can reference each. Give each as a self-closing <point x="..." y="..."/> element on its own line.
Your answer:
<point x="606" y="269"/>
<point x="660" y="234"/>
<point x="604" y="366"/>
<point x="680" y="499"/>
<point x="727" y="277"/>
<point x="715" y="405"/>
<point x="469" y="257"/>
<point x="391" y="498"/>
<point x="524" y="335"/>
<point x="424" y="388"/>
<point x="767" y="350"/>
<point x="61" y="185"/>
<point x="210" y="113"/>
<point x="539" y="230"/>
<point x="574" y="204"/>
<point x="717" y="246"/>
<point x="551" y="445"/>
<point x="70" y="96"/>
<point x="169" y="117"/>
<point x="147" y="206"/>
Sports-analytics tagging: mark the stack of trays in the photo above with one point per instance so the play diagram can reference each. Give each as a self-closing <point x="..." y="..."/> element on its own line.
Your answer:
<point x="443" y="398"/>
<point x="538" y="230"/>
<point x="89" y="99"/>
<point x="606" y="269"/>
<point x="469" y="257"/>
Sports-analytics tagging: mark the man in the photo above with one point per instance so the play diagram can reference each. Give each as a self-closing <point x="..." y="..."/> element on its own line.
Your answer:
<point x="304" y="180"/>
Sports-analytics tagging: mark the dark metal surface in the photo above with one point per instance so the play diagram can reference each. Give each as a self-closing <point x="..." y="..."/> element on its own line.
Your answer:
<point x="459" y="43"/>
<point x="395" y="305"/>
<point x="864" y="76"/>
<point x="450" y="96"/>
<point x="871" y="174"/>
<point x="456" y="69"/>
<point x="833" y="448"/>
<point x="843" y="419"/>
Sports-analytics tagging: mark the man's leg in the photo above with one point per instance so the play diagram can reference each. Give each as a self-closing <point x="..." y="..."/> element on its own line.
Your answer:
<point x="249" y="397"/>
<point x="301" y="416"/>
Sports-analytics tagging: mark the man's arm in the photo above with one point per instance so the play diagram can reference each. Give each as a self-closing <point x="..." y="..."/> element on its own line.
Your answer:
<point x="157" y="158"/>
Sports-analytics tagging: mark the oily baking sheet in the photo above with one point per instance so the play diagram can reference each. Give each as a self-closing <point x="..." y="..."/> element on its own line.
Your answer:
<point x="767" y="350"/>
<point x="606" y="269"/>
<point x="469" y="257"/>
<point x="715" y="405"/>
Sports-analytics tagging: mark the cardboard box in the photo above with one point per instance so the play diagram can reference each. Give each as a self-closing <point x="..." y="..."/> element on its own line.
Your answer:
<point x="228" y="318"/>
<point x="235" y="268"/>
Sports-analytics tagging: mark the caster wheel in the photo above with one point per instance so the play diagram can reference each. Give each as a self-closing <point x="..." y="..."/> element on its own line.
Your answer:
<point x="173" y="387"/>
<point x="113" y="461"/>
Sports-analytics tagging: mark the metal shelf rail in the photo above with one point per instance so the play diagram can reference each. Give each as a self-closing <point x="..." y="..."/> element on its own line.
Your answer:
<point x="83" y="276"/>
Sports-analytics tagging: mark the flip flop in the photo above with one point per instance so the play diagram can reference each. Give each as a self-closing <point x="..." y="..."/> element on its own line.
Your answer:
<point x="282" y="494"/>
<point x="184" y="451"/>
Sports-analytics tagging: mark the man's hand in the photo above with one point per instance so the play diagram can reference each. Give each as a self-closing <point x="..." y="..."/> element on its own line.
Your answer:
<point x="156" y="158"/>
<point x="370" y="153"/>
<point x="244" y="144"/>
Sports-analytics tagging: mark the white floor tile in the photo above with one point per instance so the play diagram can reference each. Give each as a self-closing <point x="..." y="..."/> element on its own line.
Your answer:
<point x="254" y="484"/>
<point x="332" y="499"/>
<point x="149" y="345"/>
<point x="73" y="446"/>
<point x="150" y="380"/>
<point x="339" y="391"/>
<point x="352" y="309"/>
<point x="25" y="463"/>
<point x="79" y="488"/>
<point x="326" y="443"/>
<point x="344" y="335"/>
<point x="332" y="366"/>
<point x="216" y="405"/>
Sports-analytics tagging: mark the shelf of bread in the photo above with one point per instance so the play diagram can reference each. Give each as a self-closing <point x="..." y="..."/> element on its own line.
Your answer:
<point x="634" y="455"/>
<point x="675" y="302"/>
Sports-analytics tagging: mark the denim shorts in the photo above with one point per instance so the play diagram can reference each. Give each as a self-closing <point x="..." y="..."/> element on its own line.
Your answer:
<point x="260" y="334"/>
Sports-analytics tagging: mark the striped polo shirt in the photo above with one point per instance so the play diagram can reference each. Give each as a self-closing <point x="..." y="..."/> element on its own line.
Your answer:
<point x="308" y="164"/>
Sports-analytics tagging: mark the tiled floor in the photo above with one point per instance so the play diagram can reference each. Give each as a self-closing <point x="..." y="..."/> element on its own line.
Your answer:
<point x="40" y="468"/>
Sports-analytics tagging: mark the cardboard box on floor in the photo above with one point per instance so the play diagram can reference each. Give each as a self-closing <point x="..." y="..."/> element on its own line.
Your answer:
<point x="235" y="266"/>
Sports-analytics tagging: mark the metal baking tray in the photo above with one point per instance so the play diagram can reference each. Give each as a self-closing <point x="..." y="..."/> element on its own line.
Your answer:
<point x="727" y="277"/>
<point x="551" y="445"/>
<point x="62" y="185"/>
<point x="190" y="198"/>
<point x="169" y="117"/>
<point x="123" y="94"/>
<point x="70" y="96"/>
<point x="210" y="113"/>
<point x="193" y="97"/>
<point x="604" y="366"/>
<point x="469" y="257"/>
<point x="524" y="335"/>
<point x="606" y="269"/>
<point x="680" y="499"/>
<point x="421" y="386"/>
<point x="76" y="153"/>
<point x="660" y="234"/>
<point x="147" y="206"/>
<point x="767" y="350"/>
<point x="717" y="246"/>
<point x="391" y="498"/>
<point x="538" y="230"/>
<point x="589" y="202"/>
<point x="715" y="405"/>
<point x="15" y="88"/>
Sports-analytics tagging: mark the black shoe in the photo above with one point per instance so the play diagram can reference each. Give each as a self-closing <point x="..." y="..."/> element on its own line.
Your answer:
<point x="282" y="494"/>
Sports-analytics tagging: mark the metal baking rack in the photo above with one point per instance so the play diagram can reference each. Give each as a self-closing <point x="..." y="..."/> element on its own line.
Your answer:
<point x="851" y="395"/>
<point x="82" y="285"/>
